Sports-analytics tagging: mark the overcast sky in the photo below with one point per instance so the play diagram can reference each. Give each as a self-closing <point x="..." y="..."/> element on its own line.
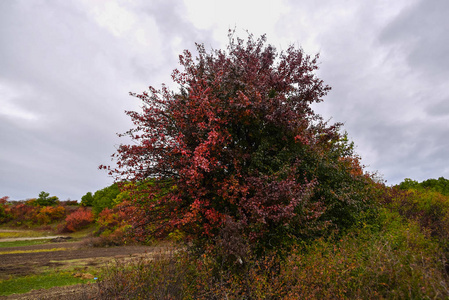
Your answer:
<point x="66" y="68"/>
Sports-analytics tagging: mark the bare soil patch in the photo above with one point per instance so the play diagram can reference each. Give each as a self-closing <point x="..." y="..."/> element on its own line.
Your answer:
<point x="21" y="264"/>
<point x="64" y="256"/>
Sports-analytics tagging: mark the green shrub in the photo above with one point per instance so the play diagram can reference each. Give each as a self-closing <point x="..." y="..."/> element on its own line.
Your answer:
<point x="400" y="262"/>
<point x="105" y="198"/>
<point x="394" y="261"/>
<point x="440" y="185"/>
<point x="44" y="199"/>
<point x="87" y="199"/>
<point x="429" y="209"/>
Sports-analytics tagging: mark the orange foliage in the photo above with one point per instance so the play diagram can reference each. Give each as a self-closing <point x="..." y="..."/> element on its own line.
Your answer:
<point x="78" y="220"/>
<point x="49" y="214"/>
<point x="354" y="166"/>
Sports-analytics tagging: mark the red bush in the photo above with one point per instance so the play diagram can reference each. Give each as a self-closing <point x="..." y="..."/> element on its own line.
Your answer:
<point x="239" y="145"/>
<point x="22" y="213"/>
<point x="78" y="220"/>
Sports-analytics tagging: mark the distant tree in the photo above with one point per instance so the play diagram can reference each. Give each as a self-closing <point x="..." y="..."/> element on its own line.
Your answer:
<point x="440" y="185"/>
<point x="408" y="184"/>
<point x="238" y="156"/>
<point x="105" y="198"/>
<point x="44" y="199"/>
<point x="69" y="202"/>
<point x="87" y="199"/>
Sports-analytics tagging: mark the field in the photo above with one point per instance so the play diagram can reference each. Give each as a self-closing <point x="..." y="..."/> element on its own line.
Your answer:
<point x="37" y="262"/>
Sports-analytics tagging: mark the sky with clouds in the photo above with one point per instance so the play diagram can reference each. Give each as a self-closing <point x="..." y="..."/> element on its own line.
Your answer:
<point x="67" y="67"/>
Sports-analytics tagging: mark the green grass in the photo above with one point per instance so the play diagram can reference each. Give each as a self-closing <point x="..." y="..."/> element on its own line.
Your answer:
<point x="22" y="243"/>
<point x="32" y="251"/>
<point x="25" y="284"/>
<point x="22" y="233"/>
<point x="83" y="232"/>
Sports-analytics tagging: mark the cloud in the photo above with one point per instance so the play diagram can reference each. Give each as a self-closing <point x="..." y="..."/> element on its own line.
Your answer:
<point x="386" y="64"/>
<point x="66" y="68"/>
<point x="8" y="97"/>
<point x="420" y="34"/>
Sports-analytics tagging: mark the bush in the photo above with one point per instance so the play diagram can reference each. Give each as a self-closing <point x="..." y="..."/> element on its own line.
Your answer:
<point x="87" y="199"/>
<point x="77" y="220"/>
<point x="163" y="277"/>
<point x="440" y="185"/>
<point x="400" y="262"/>
<point x="69" y="202"/>
<point x="23" y="214"/>
<point x="427" y="208"/>
<point x="396" y="261"/>
<point x="49" y="214"/>
<point x="105" y="198"/>
<point x="239" y="146"/>
<point x="114" y="224"/>
<point x="5" y="215"/>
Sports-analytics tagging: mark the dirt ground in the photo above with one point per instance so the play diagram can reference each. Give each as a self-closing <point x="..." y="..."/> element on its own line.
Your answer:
<point x="64" y="256"/>
<point x="70" y="292"/>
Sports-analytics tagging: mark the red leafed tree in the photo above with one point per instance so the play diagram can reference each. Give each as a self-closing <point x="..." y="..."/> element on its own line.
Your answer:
<point x="237" y="153"/>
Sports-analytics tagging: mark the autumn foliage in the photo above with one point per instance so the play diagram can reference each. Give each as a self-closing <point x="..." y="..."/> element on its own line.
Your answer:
<point x="26" y="213"/>
<point x="237" y="155"/>
<point x="77" y="220"/>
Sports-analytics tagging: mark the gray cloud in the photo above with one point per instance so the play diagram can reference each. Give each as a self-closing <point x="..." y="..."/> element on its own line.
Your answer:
<point x="387" y="64"/>
<point x="66" y="68"/>
<point x="72" y="75"/>
<point x="439" y="109"/>
<point x="420" y="34"/>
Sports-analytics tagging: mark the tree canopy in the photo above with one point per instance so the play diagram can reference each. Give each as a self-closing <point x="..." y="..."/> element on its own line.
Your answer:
<point x="101" y="199"/>
<point x="440" y="185"/>
<point x="237" y="156"/>
<point x="44" y="199"/>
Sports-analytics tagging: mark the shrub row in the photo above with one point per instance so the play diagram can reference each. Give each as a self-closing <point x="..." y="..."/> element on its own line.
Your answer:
<point x="27" y="214"/>
<point x="396" y="261"/>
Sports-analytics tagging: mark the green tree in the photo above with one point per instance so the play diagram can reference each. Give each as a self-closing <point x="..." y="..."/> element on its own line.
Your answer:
<point x="105" y="198"/>
<point x="87" y="199"/>
<point x="44" y="199"/>
<point x="408" y="184"/>
<point x="440" y="185"/>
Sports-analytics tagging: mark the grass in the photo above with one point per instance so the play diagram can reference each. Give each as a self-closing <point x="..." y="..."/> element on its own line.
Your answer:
<point x="44" y="281"/>
<point x="22" y="234"/>
<point x="47" y="277"/>
<point x="32" y="251"/>
<point x="80" y="234"/>
<point x="23" y="243"/>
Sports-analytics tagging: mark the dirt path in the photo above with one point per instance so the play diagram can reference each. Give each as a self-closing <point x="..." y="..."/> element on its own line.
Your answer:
<point x="30" y="238"/>
<point x="27" y="260"/>
<point x="34" y="259"/>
